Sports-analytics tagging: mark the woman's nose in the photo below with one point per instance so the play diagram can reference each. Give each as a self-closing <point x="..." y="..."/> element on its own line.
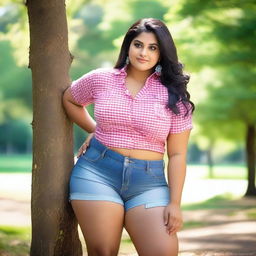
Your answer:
<point x="143" y="51"/>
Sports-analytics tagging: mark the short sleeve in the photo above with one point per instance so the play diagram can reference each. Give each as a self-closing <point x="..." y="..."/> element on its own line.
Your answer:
<point x="82" y="89"/>
<point x="181" y="122"/>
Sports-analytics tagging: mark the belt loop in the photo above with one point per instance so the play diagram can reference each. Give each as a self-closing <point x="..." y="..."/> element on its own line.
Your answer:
<point x="104" y="152"/>
<point x="147" y="166"/>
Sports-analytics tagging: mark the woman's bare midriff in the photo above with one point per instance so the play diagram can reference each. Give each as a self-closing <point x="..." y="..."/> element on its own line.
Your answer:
<point x="139" y="153"/>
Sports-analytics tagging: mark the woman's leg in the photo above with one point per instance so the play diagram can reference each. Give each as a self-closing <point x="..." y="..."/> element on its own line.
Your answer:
<point x="101" y="223"/>
<point x="148" y="232"/>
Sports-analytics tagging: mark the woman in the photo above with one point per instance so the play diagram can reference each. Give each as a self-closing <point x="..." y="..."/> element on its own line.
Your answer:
<point x="118" y="180"/>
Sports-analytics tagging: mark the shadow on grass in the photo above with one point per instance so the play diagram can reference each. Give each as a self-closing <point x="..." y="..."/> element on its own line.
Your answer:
<point x="219" y="209"/>
<point x="226" y="201"/>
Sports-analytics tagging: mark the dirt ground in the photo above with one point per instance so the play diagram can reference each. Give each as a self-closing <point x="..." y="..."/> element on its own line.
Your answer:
<point x="226" y="232"/>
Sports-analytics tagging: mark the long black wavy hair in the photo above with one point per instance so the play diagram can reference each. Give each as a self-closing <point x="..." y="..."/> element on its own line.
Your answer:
<point x="172" y="76"/>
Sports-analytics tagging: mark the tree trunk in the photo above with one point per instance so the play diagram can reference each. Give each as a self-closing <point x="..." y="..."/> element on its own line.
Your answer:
<point x="250" y="155"/>
<point x="54" y="228"/>
<point x="210" y="161"/>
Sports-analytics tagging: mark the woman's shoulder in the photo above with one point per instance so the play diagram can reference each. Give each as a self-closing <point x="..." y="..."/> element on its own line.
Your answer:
<point x="98" y="78"/>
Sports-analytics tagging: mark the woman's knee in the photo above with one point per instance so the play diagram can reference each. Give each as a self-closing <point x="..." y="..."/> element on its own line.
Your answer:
<point x="170" y="248"/>
<point x="168" y="252"/>
<point x="160" y="248"/>
<point x="102" y="250"/>
<point x="162" y="251"/>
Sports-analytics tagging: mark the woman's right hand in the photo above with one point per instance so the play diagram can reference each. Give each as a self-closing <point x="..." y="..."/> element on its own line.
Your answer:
<point x="85" y="145"/>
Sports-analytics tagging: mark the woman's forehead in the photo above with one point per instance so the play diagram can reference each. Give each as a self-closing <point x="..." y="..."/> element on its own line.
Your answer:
<point x="146" y="37"/>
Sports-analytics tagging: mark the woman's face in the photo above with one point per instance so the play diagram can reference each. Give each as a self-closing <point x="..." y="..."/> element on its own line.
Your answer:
<point x="144" y="51"/>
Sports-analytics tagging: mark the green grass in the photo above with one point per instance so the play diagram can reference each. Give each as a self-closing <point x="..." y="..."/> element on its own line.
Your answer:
<point x="126" y="241"/>
<point x="14" y="240"/>
<point x="217" y="202"/>
<point x="251" y="214"/>
<point x="16" y="163"/>
<point x="23" y="163"/>
<point x="193" y="224"/>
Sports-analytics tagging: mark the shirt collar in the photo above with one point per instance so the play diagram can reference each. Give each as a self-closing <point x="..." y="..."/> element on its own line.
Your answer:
<point x="121" y="70"/>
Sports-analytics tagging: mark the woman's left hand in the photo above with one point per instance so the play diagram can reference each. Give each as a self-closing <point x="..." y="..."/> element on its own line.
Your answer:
<point x="173" y="218"/>
<point x="85" y="145"/>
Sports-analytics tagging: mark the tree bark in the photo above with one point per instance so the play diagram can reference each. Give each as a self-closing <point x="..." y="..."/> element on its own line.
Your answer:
<point x="251" y="155"/>
<point x="54" y="227"/>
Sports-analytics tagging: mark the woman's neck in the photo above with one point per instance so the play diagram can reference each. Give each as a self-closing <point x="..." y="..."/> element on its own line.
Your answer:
<point x="139" y="76"/>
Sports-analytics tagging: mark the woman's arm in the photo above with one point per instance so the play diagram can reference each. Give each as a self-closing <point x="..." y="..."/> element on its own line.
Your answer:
<point x="77" y="113"/>
<point x="177" y="152"/>
<point x="177" y="155"/>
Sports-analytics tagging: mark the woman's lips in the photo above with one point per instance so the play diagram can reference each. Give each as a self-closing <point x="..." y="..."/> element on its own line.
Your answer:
<point x="142" y="60"/>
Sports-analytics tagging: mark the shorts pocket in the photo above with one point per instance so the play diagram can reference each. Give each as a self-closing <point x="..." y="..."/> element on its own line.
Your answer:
<point x="156" y="172"/>
<point x="92" y="154"/>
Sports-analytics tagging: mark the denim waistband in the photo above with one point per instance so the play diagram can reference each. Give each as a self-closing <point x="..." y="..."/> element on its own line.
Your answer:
<point x="119" y="157"/>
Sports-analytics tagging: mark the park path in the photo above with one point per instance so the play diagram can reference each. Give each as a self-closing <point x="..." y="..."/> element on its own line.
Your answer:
<point x="226" y="233"/>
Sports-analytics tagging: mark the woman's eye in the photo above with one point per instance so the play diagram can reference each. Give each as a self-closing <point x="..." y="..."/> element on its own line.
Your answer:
<point x="137" y="45"/>
<point x="153" y="48"/>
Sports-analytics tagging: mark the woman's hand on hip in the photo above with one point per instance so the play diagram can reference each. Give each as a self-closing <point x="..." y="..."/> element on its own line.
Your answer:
<point x="173" y="218"/>
<point x="85" y="145"/>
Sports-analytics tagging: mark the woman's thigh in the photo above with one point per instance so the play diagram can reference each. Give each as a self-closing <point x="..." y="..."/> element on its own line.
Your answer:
<point x="148" y="232"/>
<point x="101" y="223"/>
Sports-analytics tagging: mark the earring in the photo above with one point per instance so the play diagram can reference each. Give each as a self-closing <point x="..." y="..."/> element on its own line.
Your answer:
<point x="158" y="69"/>
<point x="127" y="60"/>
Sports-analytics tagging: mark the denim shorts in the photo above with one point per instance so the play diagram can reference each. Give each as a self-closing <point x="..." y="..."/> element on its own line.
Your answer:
<point x="103" y="174"/>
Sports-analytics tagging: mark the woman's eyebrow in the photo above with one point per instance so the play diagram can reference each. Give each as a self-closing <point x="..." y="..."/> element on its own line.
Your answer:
<point x="138" y="41"/>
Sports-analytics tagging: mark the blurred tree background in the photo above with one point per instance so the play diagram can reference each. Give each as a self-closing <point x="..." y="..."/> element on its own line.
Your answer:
<point x="215" y="41"/>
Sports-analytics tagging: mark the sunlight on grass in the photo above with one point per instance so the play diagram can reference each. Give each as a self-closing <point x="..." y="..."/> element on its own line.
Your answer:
<point x="14" y="240"/>
<point x="219" y="171"/>
<point x="193" y="224"/>
<point x="217" y="202"/>
<point x="15" y="163"/>
<point x="127" y="241"/>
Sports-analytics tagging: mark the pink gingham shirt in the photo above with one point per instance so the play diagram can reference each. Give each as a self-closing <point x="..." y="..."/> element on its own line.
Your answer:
<point x="142" y="122"/>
